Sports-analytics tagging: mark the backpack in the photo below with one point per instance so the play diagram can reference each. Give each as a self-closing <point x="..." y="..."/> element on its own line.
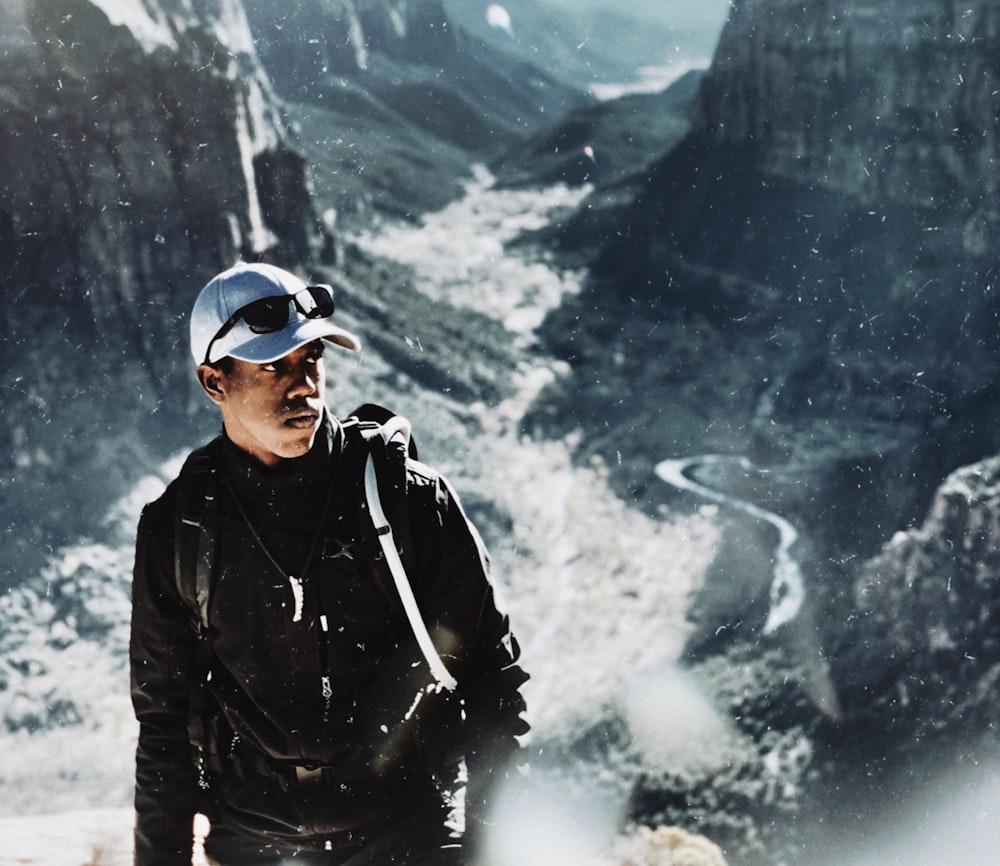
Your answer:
<point x="386" y="436"/>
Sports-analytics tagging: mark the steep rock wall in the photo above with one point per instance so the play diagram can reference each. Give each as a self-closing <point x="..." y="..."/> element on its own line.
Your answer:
<point x="880" y="101"/>
<point x="921" y="661"/>
<point x="860" y="215"/>
<point x="830" y="224"/>
<point x="872" y="128"/>
<point x="143" y="150"/>
<point x="138" y="151"/>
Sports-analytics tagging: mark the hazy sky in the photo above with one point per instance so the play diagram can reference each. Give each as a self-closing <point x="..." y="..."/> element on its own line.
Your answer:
<point x="694" y="16"/>
<point x="611" y="47"/>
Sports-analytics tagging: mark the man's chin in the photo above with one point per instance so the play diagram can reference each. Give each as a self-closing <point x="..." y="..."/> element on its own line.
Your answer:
<point x="298" y="442"/>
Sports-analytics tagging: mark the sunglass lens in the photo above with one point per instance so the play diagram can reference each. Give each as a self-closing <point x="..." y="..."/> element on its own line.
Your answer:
<point x="316" y="302"/>
<point x="267" y="315"/>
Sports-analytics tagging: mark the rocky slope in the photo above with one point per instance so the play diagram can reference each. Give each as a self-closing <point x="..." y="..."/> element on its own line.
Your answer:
<point x="923" y="660"/>
<point x="143" y="150"/>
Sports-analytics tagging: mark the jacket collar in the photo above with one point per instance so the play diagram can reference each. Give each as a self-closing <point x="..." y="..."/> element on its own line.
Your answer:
<point x="301" y="477"/>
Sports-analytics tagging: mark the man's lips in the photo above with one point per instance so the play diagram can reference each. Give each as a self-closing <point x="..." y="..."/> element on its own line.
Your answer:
<point x="302" y="419"/>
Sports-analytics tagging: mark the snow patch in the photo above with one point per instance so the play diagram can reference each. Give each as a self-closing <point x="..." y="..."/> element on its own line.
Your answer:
<point x="154" y="25"/>
<point x="652" y="79"/>
<point x="149" y="25"/>
<point x="94" y="836"/>
<point x="459" y="253"/>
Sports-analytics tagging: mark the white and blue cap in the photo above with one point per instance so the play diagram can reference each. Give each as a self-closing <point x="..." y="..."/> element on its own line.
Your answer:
<point x="218" y="327"/>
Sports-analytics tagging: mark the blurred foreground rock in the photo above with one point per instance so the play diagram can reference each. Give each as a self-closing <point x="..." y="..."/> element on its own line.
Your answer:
<point x="667" y="846"/>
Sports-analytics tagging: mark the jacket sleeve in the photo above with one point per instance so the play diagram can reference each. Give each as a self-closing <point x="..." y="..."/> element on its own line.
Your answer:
<point x="161" y="655"/>
<point x="469" y="617"/>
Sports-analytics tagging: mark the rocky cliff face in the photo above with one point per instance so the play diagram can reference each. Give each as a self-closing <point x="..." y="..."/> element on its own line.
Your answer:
<point x="370" y="59"/>
<point x="143" y="150"/>
<point x="823" y="240"/>
<point x="927" y="636"/>
<point x="900" y="97"/>
<point x="152" y="128"/>
<point x="870" y="132"/>
<point x="352" y="36"/>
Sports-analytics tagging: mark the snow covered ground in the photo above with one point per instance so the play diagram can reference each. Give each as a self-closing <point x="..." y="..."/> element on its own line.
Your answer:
<point x="96" y="837"/>
<point x="90" y="837"/>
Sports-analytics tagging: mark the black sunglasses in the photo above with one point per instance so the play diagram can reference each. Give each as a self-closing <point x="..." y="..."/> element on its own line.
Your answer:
<point x="271" y="314"/>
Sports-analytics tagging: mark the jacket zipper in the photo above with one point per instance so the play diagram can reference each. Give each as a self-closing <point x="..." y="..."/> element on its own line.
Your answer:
<point x="326" y="687"/>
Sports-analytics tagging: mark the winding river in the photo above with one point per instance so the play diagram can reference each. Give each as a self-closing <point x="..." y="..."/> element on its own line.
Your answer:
<point x="787" y="586"/>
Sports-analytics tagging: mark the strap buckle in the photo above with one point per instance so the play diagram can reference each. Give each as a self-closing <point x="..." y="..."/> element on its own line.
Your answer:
<point x="334" y="548"/>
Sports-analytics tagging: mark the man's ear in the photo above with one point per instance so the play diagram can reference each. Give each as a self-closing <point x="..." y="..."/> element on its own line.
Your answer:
<point x="211" y="380"/>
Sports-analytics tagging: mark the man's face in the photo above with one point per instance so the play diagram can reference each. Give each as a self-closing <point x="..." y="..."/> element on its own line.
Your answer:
<point x="272" y="411"/>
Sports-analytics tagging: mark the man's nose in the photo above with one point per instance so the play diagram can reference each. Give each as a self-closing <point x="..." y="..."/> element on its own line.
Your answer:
<point x="305" y="379"/>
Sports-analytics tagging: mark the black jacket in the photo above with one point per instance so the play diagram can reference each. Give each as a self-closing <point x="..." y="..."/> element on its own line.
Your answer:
<point x="334" y="683"/>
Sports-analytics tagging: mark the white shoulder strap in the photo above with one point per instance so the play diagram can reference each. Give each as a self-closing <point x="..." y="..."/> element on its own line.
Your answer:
<point x="400" y="426"/>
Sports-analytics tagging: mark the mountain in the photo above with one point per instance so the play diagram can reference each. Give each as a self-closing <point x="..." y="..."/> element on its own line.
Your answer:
<point x="607" y="145"/>
<point x="143" y="150"/>
<point x="594" y="45"/>
<point x="806" y="278"/>
<point x="147" y="148"/>
<point x="611" y="148"/>
<point x="786" y="262"/>
<point x="395" y="101"/>
<point x="411" y="60"/>
<point x="819" y="240"/>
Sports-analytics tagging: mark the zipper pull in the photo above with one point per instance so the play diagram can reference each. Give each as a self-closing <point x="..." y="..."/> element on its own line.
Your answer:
<point x="327" y="696"/>
<point x="297" y="595"/>
<point x="326" y="685"/>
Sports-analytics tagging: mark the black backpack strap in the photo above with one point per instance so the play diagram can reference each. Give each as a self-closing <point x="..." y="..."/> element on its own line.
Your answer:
<point x="196" y="536"/>
<point x="371" y="415"/>
<point x="196" y="533"/>
<point x="363" y="435"/>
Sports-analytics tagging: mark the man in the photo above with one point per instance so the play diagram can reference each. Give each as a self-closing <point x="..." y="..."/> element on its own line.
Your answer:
<point x="304" y="720"/>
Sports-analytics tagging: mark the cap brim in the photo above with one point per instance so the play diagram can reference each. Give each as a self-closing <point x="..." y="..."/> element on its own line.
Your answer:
<point x="264" y="348"/>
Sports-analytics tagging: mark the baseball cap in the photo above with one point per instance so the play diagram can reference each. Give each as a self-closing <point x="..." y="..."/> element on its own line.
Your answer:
<point x="227" y="320"/>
